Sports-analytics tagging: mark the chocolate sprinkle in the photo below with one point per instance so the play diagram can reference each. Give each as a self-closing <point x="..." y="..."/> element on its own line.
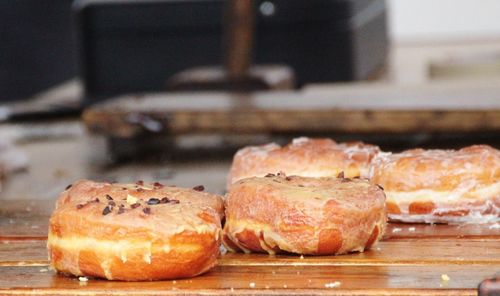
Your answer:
<point x="380" y="186"/>
<point x="79" y="206"/>
<point x="111" y="203"/>
<point x="140" y="183"/>
<point x="121" y="209"/>
<point x="135" y="205"/>
<point x="288" y="178"/>
<point x="68" y="187"/>
<point x="140" y="190"/>
<point x="96" y="200"/>
<point x="108" y="197"/>
<point x="157" y="185"/>
<point x="107" y="210"/>
<point x="270" y="175"/>
<point x="174" y="201"/>
<point x="153" y="201"/>
<point x="199" y="188"/>
<point x="164" y="200"/>
<point x="147" y="211"/>
<point x="340" y="175"/>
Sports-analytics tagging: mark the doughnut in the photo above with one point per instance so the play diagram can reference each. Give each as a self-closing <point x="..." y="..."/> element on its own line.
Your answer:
<point x="134" y="232"/>
<point x="303" y="157"/>
<point x="302" y="215"/>
<point x="441" y="186"/>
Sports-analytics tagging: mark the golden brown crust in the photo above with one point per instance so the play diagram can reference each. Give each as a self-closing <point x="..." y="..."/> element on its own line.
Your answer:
<point x="303" y="215"/>
<point x="441" y="185"/>
<point x="134" y="231"/>
<point x="303" y="157"/>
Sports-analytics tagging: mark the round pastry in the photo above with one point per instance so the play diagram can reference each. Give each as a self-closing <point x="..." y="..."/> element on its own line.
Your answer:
<point x="318" y="216"/>
<point x="441" y="185"/>
<point x="134" y="232"/>
<point x="303" y="157"/>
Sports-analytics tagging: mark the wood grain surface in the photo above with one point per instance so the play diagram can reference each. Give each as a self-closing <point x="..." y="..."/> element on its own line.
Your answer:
<point x="364" y="108"/>
<point x="416" y="252"/>
<point x="400" y="265"/>
<point x="257" y="280"/>
<point x="23" y="228"/>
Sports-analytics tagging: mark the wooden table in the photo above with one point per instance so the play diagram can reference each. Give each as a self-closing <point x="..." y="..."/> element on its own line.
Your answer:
<point x="331" y="108"/>
<point x="411" y="260"/>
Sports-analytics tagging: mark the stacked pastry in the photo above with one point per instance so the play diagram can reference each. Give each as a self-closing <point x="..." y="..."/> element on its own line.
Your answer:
<point x="446" y="186"/>
<point x="330" y="209"/>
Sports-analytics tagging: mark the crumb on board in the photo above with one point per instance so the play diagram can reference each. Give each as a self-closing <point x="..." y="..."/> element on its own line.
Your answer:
<point x="83" y="279"/>
<point x="301" y="256"/>
<point x="332" y="284"/>
<point x="411" y="229"/>
<point x="251" y="285"/>
<point x="394" y="230"/>
<point x="445" y="277"/>
<point x="43" y="270"/>
<point x="222" y="250"/>
<point x="285" y="286"/>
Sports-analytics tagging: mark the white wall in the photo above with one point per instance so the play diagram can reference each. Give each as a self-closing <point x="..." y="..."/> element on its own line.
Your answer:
<point x="421" y="20"/>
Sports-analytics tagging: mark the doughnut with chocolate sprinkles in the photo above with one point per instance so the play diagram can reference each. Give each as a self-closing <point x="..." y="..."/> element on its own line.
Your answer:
<point x="156" y="233"/>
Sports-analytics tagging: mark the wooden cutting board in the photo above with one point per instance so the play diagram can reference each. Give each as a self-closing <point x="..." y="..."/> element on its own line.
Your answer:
<point x="350" y="108"/>
<point x="411" y="260"/>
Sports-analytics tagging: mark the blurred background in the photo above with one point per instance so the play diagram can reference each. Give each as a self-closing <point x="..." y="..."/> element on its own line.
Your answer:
<point x="48" y="44"/>
<point x="168" y="89"/>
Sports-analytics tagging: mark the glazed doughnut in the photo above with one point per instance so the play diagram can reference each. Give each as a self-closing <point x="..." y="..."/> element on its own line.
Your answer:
<point x="445" y="186"/>
<point x="317" y="216"/>
<point x="303" y="157"/>
<point x="134" y="232"/>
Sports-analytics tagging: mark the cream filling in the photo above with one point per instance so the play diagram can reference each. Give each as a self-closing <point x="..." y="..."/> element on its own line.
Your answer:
<point x="444" y="201"/>
<point x="486" y="192"/>
<point x="474" y="217"/>
<point x="123" y="249"/>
